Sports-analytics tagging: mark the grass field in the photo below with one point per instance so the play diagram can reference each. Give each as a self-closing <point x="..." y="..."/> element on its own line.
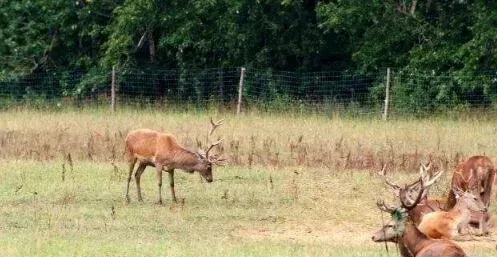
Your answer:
<point x="307" y="198"/>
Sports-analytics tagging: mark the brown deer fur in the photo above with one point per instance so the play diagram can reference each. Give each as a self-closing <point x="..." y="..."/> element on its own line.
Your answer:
<point x="427" y="205"/>
<point x="449" y="224"/>
<point x="476" y="175"/>
<point x="162" y="151"/>
<point x="412" y="242"/>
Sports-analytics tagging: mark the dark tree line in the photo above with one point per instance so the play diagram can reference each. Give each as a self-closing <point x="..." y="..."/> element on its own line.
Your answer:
<point x="81" y="40"/>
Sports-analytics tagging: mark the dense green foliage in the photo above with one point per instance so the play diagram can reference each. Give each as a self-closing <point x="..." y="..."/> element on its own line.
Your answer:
<point x="83" y="39"/>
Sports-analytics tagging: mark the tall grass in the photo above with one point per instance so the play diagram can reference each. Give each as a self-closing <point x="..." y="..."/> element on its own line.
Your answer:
<point x="253" y="138"/>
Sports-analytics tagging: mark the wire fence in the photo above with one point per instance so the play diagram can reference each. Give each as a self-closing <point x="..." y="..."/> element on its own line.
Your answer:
<point x="326" y="93"/>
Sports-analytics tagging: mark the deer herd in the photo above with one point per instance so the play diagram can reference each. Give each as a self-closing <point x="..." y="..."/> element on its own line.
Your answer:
<point x="423" y="226"/>
<point x="420" y="225"/>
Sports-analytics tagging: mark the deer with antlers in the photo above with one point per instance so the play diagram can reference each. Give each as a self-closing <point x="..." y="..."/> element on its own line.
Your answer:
<point x="162" y="151"/>
<point x="476" y="175"/>
<point x="408" y="193"/>
<point x="412" y="242"/>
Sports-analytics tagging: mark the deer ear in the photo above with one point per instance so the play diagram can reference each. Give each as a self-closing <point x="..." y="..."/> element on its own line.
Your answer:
<point x="457" y="192"/>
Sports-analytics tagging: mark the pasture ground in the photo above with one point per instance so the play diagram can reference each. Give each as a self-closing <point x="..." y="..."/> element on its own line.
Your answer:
<point x="254" y="207"/>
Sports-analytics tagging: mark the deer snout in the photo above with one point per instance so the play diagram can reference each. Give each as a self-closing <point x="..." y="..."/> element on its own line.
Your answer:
<point x="376" y="238"/>
<point x="209" y="180"/>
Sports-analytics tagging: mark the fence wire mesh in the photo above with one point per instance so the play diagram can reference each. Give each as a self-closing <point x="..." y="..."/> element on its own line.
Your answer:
<point x="327" y="93"/>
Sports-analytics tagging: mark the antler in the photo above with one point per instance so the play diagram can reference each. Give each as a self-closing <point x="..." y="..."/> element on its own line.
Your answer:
<point x="423" y="170"/>
<point x="428" y="180"/>
<point x="215" y="125"/>
<point x="219" y="161"/>
<point x="385" y="207"/>
<point x="428" y="167"/>
<point x="382" y="174"/>
<point x="212" y="146"/>
<point x="433" y="179"/>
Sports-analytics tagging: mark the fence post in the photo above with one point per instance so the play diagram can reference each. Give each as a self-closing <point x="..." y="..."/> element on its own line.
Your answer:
<point x="240" y="91"/>
<point x="113" y="90"/>
<point x="387" y="95"/>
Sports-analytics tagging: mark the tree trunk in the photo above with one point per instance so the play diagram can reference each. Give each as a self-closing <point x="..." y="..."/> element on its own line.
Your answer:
<point x="151" y="47"/>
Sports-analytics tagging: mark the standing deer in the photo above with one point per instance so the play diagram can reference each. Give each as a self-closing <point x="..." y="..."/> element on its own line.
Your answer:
<point x="162" y="151"/>
<point x="411" y="242"/>
<point x="450" y="224"/>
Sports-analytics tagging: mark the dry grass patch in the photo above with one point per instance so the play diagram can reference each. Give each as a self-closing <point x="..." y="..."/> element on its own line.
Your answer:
<point x="277" y="141"/>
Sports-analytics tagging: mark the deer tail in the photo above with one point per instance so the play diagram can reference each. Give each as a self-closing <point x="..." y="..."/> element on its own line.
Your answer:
<point x="128" y="155"/>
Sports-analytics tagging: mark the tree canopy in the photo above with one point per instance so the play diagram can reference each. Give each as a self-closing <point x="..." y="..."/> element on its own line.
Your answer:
<point x="437" y="36"/>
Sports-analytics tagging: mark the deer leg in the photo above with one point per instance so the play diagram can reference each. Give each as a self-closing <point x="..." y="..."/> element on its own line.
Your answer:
<point x="171" y="184"/>
<point x="481" y="226"/>
<point x="131" y="167"/>
<point x="138" y="174"/>
<point x="486" y="223"/>
<point x="158" y="172"/>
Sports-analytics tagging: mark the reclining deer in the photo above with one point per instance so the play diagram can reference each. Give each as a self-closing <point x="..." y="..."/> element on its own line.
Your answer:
<point x="441" y="223"/>
<point x="408" y="193"/>
<point x="162" y="151"/>
<point x="453" y="223"/>
<point x="412" y="242"/>
<point x="476" y="175"/>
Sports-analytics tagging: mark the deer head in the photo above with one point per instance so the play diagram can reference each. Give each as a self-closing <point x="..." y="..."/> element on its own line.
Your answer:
<point x="473" y="202"/>
<point x="396" y="227"/>
<point x="207" y="159"/>
<point x="408" y="193"/>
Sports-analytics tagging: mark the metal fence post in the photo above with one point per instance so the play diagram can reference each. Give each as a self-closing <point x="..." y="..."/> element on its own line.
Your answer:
<point x="240" y="91"/>
<point x="113" y="90"/>
<point x="387" y="95"/>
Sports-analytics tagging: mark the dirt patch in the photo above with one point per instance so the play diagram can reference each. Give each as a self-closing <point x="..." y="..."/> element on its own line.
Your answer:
<point x="328" y="232"/>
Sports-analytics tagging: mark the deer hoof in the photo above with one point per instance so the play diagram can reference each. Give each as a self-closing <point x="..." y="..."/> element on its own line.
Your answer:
<point x="128" y="200"/>
<point x="159" y="202"/>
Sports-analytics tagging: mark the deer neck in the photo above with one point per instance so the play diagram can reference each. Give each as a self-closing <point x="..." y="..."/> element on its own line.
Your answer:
<point x="451" y="200"/>
<point x="461" y="211"/>
<point x="412" y="241"/>
<point x="185" y="159"/>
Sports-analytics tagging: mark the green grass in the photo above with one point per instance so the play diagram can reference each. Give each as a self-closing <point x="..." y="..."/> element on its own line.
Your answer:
<point x="321" y="201"/>
<point x="303" y="212"/>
